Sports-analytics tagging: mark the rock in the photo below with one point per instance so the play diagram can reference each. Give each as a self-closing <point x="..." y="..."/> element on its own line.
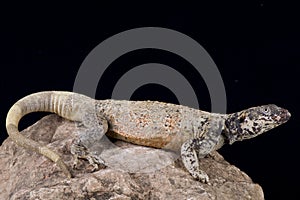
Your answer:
<point x="28" y="175"/>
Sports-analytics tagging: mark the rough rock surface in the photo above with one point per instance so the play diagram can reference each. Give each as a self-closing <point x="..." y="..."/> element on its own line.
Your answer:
<point x="27" y="175"/>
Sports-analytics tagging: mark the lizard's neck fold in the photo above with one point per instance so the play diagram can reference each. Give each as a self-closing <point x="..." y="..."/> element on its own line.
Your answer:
<point x="233" y="127"/>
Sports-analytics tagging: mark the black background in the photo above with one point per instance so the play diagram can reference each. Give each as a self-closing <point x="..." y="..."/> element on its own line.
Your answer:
<point x="255" y="45"/>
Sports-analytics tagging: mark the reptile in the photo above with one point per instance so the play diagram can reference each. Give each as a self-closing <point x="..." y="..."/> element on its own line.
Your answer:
<point x="149" y="123"/>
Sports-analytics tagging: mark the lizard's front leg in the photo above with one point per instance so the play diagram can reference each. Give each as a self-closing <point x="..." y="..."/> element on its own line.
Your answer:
<point x="191" y="151"/>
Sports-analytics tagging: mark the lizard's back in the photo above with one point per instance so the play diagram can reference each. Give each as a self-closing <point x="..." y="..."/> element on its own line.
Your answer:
<point x="150" y="123"/>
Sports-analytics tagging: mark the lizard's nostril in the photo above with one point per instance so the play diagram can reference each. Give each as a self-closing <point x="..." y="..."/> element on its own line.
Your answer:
<point x="288" y="115"/>
<point x="285" y="115"/>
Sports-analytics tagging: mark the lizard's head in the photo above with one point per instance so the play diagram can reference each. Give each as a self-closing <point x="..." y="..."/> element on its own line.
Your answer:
<point x="254" y="121"/>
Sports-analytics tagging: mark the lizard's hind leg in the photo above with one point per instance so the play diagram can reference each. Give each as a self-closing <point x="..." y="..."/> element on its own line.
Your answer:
<point x="89" y="133"/>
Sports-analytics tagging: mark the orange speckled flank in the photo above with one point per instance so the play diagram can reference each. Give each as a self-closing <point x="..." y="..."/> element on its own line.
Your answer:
<point x="156" y="142"/>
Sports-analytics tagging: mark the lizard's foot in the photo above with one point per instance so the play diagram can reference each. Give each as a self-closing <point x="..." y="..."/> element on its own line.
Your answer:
<point x="78" y="151"/>
<point x="212" y="155"/>
<point x="95" y="162"/>
<point x="200" y="175"/>
<point x="81" y="152"/>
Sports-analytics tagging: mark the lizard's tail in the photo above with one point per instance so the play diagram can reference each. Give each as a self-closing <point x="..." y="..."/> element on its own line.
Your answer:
<point x="42" y="101"/>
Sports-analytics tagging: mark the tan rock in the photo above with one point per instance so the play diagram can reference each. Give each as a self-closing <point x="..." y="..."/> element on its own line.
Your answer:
<point x="27" y="175"/>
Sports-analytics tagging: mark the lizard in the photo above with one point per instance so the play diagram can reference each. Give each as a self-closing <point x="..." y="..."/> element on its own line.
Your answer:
<point x="148" y="123"/>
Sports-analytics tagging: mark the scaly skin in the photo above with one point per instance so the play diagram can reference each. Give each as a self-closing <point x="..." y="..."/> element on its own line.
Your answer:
<point x="149" y="123"/>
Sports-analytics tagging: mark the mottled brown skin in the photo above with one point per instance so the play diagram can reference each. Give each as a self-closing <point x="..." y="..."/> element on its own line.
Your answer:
<point x="150" y="123"/>
<point x="254" y="121"/>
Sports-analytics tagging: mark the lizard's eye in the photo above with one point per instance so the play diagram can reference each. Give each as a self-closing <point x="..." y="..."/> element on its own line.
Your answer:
<point x="266" y="110"/>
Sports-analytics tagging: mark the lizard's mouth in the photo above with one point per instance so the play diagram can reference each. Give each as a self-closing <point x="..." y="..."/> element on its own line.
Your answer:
<point x="283" y="116"/>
